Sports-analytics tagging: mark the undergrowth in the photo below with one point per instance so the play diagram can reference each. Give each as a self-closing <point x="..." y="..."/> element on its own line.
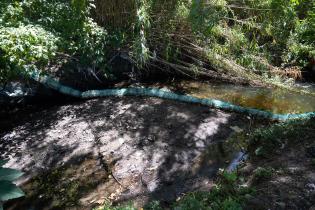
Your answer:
<point x="226" y="195"/>
<point x="253" y="40"/>
<point x="37" y="34"/>
<point x="273" y="139"/>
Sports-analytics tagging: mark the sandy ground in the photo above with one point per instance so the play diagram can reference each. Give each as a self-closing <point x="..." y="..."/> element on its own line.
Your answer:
<point x="141" y="148"/>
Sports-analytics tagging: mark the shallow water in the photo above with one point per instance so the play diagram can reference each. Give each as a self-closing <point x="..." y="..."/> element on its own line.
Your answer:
<point x="274" y="100"/>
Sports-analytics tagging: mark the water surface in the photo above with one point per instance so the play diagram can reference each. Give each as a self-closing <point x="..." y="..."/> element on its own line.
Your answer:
<point x="271" y="99"/>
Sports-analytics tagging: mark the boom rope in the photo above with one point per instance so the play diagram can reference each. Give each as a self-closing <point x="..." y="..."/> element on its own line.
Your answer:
<point x="154" y="92"/>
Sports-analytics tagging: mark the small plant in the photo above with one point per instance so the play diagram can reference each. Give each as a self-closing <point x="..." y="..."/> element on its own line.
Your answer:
<point x="8" y="190"/>
<point x="227" y="195"/>
<point x="153" y="205"/>
<point x="263" y="173"/>
<point x="192" y="201"/>
<point x="266" y="141"/>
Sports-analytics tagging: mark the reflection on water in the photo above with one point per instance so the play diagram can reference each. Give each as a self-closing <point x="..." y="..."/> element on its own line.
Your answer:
<point x="275" y="100"/>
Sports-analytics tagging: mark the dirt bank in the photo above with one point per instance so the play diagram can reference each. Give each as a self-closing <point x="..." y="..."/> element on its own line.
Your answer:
<point x="119" y="149"/>
<point x="281" y="167"/>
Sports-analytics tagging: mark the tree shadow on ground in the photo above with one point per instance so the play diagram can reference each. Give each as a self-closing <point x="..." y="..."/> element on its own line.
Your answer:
<point x="152" y="149"/>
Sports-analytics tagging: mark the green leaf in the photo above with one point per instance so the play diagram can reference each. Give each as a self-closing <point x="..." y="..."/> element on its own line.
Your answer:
<point x="1" y="207"/>
<point x="9" y="174"/>
<point x="9" y="191"/>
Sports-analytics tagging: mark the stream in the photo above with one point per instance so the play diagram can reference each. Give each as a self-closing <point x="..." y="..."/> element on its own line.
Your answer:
<point x="276" y="100"/>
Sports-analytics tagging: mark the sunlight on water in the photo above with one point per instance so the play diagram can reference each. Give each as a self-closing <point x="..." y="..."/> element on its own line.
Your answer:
<point x="275" y="100"/>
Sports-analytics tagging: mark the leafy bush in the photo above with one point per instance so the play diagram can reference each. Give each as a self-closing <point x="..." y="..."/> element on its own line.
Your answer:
<point x="8" y="190"/>
<point x="91" y="45"/>
<point x="302" y="43"/>
<point x="263" y="141"/>
<point x="23" y="48"/>
<point x="33" y="32"/>
<point x="272" y="139"/>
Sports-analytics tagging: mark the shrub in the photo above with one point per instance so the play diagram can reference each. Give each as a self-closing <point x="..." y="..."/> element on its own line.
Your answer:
<point x="24" y="48"/>
<point x="32" y="32"/>
<point x="302" y="43"/>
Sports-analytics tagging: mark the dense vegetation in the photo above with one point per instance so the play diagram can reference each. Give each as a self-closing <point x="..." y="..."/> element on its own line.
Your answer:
<point x="248" y="39"/>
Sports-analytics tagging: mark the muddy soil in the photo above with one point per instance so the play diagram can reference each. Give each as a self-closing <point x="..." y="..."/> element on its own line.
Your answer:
<point x="118" y="149"/>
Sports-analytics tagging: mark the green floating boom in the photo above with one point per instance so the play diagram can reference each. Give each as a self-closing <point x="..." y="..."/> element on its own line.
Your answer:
<point x="154" y="92"/>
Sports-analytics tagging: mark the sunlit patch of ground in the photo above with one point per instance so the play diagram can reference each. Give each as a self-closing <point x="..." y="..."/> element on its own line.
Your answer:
<point x="119" y="149"/>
